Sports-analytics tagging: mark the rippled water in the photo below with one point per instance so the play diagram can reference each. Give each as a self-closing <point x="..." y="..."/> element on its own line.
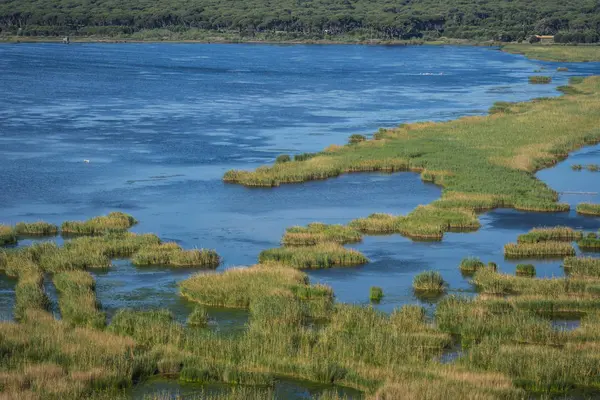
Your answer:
<point x="161" y="123"/>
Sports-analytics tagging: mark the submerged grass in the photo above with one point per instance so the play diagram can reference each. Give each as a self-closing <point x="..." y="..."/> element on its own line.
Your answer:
<point x="588" y="209"/>
<point x="325" y="255"/>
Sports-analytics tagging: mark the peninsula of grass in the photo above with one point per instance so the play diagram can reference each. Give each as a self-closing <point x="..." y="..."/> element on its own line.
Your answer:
<point x="7" y="235"/>
<point x="588" y="209"/>
<point x="559" y="234"/>
<point x="316" y="233"/>
<point x="114" y="221"/>
<point x="429" y="282"/>
<point x="39" y="228"/>
<point x="482" y="162"/>
<point x="538" y="79"/>
<point x="547" y="249"/>
<point x="557" y="52"/>
<point x="325" y="255"/>
<point x="582" y="266"/>
<point x="172" y="255"/>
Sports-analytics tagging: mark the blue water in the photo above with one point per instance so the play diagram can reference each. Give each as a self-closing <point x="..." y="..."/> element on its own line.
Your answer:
<point x="161" y="123"/>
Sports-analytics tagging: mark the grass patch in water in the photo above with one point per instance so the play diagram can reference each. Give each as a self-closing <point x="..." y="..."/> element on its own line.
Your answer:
<point x="29" y="292"/>
<point x="114" y="221"/>
<point x="77" y="299"/>
<point x="527" y="270"/>
<point x="470" y="265"/>
<point x="316" y="233"/>
<point x="325" y="255"/>
<point x="589" y="243"/>
<point x="582" y="266"/>
<point x="375" y="294"/>
<point x="593" y="167"/>
<point x="588" y="209"/>
<point x="171" y="254"/>
<point x="39" y="228"/>
<point x="538" y="79"/>
<point x="429" y="282"/>
<point x="538" y="250"/>
<point x="7" y="235"/>
<point x="198" y="317"/>
<point x="559" y="233"/>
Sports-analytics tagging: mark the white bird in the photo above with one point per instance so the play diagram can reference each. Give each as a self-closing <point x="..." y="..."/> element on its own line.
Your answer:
<point x="86" y="161"/>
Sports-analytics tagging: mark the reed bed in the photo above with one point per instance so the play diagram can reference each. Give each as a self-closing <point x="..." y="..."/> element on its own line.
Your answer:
<point x="527" y="270"/>
<point x="7" y="235"/>
<point x="29" y="292"/>
<point x="316" y="233"/>
<point x="198" y="317"/>
<point x="588" y="209"/>
<point x="582" y="267"/>
<point x="589" y="243"/>
<point x="540" y="79"/>
<point x="114" y="244"/>
<point x="470" y="265"/>
<point x="429" y="282"/>
<point x="39" y="228"/>
<point x="77" y="299"/>
<point x="538" y="250"/>
<point x="172" y="255"/>
<point x="559" y="234"/>
<point x="114" y="221"/>
<point x="326" y="255"/>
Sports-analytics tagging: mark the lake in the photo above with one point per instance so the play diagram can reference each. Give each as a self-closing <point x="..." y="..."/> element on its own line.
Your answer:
<point x="161" y="123"/>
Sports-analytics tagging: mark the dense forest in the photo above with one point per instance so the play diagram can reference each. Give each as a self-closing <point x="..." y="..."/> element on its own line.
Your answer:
<point x="505" y="20"/>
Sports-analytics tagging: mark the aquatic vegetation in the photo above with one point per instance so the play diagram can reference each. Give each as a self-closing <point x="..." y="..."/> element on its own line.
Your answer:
<point x="562" y="69"/>
<point x="539" y="79"/>
<point x="356" y="138"/>
<point x="325" y="255"/>
<point x="171" y="254"/>
<point x="77" y="299"/>
<point x="470" y="264"/>
<point x="29" y="292"/>
<point x="114" y="221"/>
<point x="113" y="244"/>
<point x="39" y="228"/>
<point x="590" y="243"/>
<point x="375" y="294"/>
<point x="283" y="158"/>
<point x="588" y="209"/>
<point x="525" y="270"/>
<point x="317" y="232"/>
<point x="429" y="282"/>
<point x="198" y="317"/>
<point x="7" y="235"/>
<point x="593" y="167"/>
<point x="148" y="328"/>
<point x="559" y="233"/>
<point x="576" y="167"/>
<point x="538" y="249"/>
<point x="582" y="266"/>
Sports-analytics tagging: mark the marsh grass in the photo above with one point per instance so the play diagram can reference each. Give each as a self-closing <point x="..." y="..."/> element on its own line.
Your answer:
<point x="588" y="209"/>
<point x="325" y="255"/>
<point x="316" y="233"/>
<point x="147" y="327"/>
<point x="527" y="270"/>
<point x="562" y="69"/>
<point x="114" y="221"/>
<point x="470" y="265"/>
<point x="113" y="244"/>
<point x="77" y="299"/>
<point x="29" y="292"/>
<point x="559" y="233"/>
<point x="39" y="228"/>
<point x="576" y="167"/>
<point x="582" y="267"/>
<point x="171" y="254"/>
<point x="375" y="294"/>
<point x="198" y="317"/>
<point x="589" y="244"/>
<point x="429" y="282"/>
<point x="7" y="235"/>
<point x="593" y="167"/>
<point x="537" y="79"/>
<point x="538" y="250"/>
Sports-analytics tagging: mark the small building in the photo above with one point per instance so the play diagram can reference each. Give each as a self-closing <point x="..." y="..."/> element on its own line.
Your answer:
<point x="545" y="39"/>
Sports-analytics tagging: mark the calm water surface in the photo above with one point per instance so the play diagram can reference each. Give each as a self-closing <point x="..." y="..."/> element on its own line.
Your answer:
<point x="161" y="123"/>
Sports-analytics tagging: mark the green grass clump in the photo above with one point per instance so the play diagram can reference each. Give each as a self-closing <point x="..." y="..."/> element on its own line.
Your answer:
<point x="538" y="250"/>
<point x="588" y="209"/>
<point x="283" y="158"/>
<point x="576" y="167"/>
<point x="582" y="266"/>
<point x="536" y="79"/>
<point x="7" y="235"/>
<point x="114" y="221"/>
<point x="525" y="270"/>
<point x="429" y="282"/>
<point x="356" y="138"/>
<point x="39" y="228"/>
<point x="73" y="258"/>
<point x="559" y="233"/>
<point x="593" y="167"/>
<point x="77" y="299"/>
<point x="147" y="328"/>
<point x="375" y="294"/>
<point x="589" y="243"/>
<point x="317" y="232"/>
<point x="470" y="264"/>
<point x="198" y="317"/>
<point x="29" y="292"/>
<point x="171" y="254"/>
<point x="325" y="255"/>
<point x="113" y="244"/>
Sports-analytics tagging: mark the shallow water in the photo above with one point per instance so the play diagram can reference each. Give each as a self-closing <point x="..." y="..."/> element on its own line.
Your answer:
<point x="160" y="123"/>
